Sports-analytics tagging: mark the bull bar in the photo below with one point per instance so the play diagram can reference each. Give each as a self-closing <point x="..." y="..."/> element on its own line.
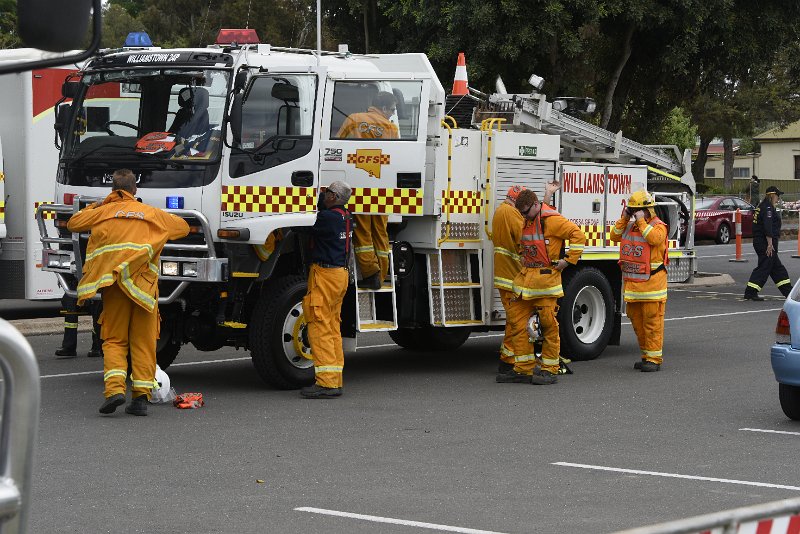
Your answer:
<point x="207" y="268"/>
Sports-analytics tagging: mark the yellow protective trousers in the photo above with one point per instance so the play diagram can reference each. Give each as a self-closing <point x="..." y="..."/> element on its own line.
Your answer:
<point x="322" y="308"/>
<point x="128" y="327"/>
<point x="507" y="348"/>
<point x="524" y="358"/>
<point x="647" y="319"/>
<point x="371" y="242"/>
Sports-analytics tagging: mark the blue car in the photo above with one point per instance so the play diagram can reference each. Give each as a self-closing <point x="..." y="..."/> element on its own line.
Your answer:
<point x="785" y="355"/>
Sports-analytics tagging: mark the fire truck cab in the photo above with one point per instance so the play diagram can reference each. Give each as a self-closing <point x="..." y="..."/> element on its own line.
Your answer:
<point x="240" y="138"/>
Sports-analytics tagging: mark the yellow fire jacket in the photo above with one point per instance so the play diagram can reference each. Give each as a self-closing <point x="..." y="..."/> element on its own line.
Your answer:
<point x="125" y="245"/>
<point x="655" y="288"/>
<point x="369" y="125"/>
<point x="507" y="224"/>
<point x="538" y="282"/>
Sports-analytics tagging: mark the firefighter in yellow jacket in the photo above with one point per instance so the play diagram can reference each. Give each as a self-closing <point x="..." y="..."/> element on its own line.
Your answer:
<point x="371" y="239"/>
<point x="122" y="262"/>
<point x="507" y="224"/>
<point x="537" y="287"/>
<point x="643" y="258"/>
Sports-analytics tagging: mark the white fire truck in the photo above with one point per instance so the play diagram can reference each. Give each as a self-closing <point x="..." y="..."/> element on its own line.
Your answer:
<point x="29" y="159"/>
<point x="264" y="141"/>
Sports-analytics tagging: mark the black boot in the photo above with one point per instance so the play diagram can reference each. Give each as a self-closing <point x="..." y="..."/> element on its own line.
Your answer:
<point x="513" y="377"/>
<point x="111" y="403"/>
<point x="95" y="353"/>
<point x="137" y="406"/>
<point x="649" y="367"/>
<point x="752" y="295"/>
<point x="319" y="392"/>
<point x="65" y="353"/>
<point x="543" y="378"/>
<point x="785" y="290"/>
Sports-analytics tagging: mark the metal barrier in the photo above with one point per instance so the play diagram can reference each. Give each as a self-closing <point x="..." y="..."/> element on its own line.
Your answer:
<point x="777" y="516"/>
<point x="18" y="427"/>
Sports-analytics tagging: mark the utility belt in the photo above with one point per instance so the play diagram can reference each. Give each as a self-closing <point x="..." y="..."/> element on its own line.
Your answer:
<point x="657" y="269"/>
<point x="329" y="265"/>
<point x="536" y="264"/>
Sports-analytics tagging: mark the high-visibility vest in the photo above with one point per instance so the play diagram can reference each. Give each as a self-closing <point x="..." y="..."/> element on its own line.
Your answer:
<point x="534" y="247"/>
<point x="634" y="252"/>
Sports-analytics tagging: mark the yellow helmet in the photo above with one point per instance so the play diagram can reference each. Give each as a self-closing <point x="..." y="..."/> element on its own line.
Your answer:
<point x="641" y="199"/>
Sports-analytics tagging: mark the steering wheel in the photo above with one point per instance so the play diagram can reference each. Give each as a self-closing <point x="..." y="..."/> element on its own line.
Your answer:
<point x="107" y="126"/>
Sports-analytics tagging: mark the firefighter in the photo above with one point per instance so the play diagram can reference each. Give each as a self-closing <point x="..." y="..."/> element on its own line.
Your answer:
<point x="122" y="262"/>
<point x="371" y="238"/>
<point x="643" y="258"/>
<point x="328" y="279"/>
<point x="537" y="288"/>
<point x="507" y="224"/>
<point x="766" y="232"/>
<point x="69" y="343"/>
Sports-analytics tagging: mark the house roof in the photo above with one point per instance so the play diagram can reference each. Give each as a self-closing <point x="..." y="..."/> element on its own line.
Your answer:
<point x="791" y="132"/>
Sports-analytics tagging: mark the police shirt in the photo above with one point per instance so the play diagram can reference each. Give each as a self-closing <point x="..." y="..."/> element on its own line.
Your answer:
<point x="331" y="237"/>
<point x="766" y="221"/>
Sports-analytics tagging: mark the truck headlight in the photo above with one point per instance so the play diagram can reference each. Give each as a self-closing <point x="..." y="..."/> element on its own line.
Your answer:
<point x="66" y="261"/>
<point x="54" y="261"/>
<point x="190" y="269"/>
<point x="169" y="268"/>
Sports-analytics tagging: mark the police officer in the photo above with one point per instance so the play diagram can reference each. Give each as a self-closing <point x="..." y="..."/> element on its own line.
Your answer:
<point x="643" y="257"/>
<point x="69" y="343"/>
<point x="766" y="231"/>
<point x="327" y="284"/>
<point x="537" y="288"/>
<point x="122" y="259"/>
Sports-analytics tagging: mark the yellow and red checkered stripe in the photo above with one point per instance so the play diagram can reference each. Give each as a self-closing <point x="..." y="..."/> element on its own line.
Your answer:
<point x="383" y="159"/>
<point x="461" y="201"/>
<point x="256" y="199"/>
<point x="45" y="215"/>
<point x="2" y="210"/>
<point x="386" y="201"/>
<point x="594" y="236"/>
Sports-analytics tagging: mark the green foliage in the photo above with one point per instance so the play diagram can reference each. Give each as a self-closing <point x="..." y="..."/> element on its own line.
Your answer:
<point x="9" y="38"/>
<point x="678" y="130"/>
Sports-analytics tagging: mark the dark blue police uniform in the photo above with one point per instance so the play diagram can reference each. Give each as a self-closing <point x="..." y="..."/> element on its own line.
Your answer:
<point x="767" y="223"/>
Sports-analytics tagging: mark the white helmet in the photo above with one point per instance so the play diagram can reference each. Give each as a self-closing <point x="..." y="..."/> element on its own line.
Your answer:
<point x="163" y="392"/>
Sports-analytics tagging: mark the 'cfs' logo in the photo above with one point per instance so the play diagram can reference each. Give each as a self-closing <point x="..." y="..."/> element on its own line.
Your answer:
<point x="122" y="214"/>
<point x="631" y="250"/>
<point x="369" y="160"/>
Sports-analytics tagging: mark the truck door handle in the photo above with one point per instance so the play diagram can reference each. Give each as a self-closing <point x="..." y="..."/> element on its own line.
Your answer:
<point x="303" y="178"/>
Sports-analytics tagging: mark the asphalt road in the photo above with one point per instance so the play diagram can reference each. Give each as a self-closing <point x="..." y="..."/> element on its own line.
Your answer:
<point x="431" y="438"/>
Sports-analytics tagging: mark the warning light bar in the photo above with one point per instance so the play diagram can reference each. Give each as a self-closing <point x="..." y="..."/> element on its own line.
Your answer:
<point x="137" y="40"/>
<point x="243" y="36"/>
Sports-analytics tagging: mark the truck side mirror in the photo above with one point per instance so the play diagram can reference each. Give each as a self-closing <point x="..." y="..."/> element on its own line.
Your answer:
<point x="235" y="119"/>
<point x="38" y="27"/>
<point x="62" y="112"/>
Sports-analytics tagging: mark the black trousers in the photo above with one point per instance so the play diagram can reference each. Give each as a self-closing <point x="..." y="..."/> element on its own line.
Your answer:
<point x="69" y="307"/>
<point x="768" y="267"/>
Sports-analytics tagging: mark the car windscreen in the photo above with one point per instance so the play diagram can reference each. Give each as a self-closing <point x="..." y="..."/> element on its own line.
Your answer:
<point x="704" y="203"/>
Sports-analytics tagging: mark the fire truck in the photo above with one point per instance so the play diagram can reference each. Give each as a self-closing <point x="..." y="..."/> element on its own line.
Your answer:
<point x="262" y="142"/>
<point x="29" y="159"/>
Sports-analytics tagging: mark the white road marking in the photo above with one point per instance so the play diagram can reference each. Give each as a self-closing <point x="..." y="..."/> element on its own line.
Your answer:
<point x="404" y="522"/>
<point x="676" y="475"/>
<point x="722" y="314"/>
<point x="204" y="362"/>
<point x="771" y="431"/>
<point x="720" y="293"/>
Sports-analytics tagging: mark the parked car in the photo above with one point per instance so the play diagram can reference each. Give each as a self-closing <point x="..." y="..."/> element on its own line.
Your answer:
<point x="714" y="218"/>
<point x="785" y="355"/>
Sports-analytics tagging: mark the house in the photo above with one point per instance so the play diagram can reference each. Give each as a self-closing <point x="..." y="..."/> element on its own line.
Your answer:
<point x="780" y="153"/>
<point x="744" y="165"/>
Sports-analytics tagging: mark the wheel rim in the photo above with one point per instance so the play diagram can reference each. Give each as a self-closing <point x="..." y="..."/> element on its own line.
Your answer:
<point x="588" y="314"/>
<point x="724" y="234"/>
<point x="294" y="333"/>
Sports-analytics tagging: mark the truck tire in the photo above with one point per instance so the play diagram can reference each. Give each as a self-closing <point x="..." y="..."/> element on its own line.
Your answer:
<point x="586" y="316"/>
<point x="723" y="234"/>
<point x="278" y="335"/>
<point x="790" y="400"/>
<point x="167" y="354"/>
<point x="431" y="338"/>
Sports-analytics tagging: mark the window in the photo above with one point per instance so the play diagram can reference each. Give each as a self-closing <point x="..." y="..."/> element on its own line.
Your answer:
<point x="797" y="167"/>
<point x="741" y="172"/>
<point x="711" y="172"/>
<point x="742" y="205"/>
<point x="727" y="204"/>
<point x="277" y="123"/>
<point x="378" y="110"/>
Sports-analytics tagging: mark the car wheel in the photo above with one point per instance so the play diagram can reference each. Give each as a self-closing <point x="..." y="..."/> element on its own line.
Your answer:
<point x="723" y="234"/>
<point x="790" y="400"/>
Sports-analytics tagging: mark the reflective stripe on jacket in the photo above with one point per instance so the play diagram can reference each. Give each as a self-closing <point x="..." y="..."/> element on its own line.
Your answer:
<point x="507" y="224"/>
<point x="654" y="234"/>
<point x="125" y="245"/>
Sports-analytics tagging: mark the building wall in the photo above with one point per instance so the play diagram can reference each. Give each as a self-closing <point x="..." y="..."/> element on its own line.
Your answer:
<point x="777" y="159"/>
<point x="742" y="164"/>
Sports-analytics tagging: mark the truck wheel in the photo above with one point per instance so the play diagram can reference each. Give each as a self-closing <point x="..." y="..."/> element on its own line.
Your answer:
<point x="586" y="316"/>
<point x="723" y="234"/>
<point x="278" y="335"/>
<point x="431" y="338"/>
<point x="790" y="400"/>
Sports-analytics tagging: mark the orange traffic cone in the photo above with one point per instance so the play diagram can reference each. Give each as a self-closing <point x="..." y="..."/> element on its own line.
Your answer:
<point x="460" y="80"/>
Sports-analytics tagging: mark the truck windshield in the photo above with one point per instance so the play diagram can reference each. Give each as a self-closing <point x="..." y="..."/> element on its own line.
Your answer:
<point x="165" y="123"/>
